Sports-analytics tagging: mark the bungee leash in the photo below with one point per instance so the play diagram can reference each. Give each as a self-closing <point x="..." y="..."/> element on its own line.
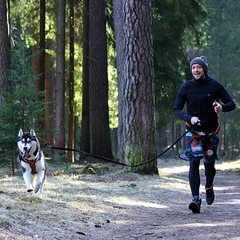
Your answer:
<point x="47" y="145"/>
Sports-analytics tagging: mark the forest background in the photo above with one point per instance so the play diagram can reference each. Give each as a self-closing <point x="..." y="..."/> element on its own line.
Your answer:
<point x="102" y="76"/>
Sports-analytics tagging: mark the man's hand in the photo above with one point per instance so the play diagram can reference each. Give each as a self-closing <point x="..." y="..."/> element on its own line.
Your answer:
<point x="217" y="107"/>
<point x="195" y="121"/>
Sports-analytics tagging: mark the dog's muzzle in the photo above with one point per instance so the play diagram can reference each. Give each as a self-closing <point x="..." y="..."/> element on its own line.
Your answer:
<point x="25" y="153"/>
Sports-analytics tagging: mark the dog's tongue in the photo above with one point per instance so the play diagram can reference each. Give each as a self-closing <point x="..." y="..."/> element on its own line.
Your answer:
<point x="25" y="154"/>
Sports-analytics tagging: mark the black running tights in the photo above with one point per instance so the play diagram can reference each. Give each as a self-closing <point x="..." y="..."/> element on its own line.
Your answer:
<point x="194" y="176"/>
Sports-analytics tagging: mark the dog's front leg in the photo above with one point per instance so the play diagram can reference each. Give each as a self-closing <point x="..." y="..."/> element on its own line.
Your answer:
<point x="39" y="182"/>
<point x="27" y="176"/>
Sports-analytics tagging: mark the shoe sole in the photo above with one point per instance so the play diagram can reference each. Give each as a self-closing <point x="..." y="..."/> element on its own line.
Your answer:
<point x="192" y="206"/>
<point x="210" y="201"/>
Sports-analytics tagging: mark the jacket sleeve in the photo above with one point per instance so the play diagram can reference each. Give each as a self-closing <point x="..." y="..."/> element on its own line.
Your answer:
<point x="228" y="104"/>
<point x="179" y="105"/>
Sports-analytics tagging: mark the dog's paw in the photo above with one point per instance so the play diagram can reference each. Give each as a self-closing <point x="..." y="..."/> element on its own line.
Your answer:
<point x="37" y="187"/>
<point x="40" y="194"/>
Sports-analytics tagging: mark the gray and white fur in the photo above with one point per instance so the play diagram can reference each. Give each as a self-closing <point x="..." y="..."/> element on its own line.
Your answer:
<point x="32" y="161"/>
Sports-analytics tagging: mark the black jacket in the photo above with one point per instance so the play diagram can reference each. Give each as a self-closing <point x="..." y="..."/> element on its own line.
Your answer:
<point x="199" y="96"/>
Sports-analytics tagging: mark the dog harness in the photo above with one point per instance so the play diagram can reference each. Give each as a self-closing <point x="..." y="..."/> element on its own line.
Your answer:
<point x="32" y="163"/>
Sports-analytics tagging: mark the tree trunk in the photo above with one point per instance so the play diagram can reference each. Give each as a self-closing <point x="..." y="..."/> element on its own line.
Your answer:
<point x="60" y="75"/>
<point x="49" y="101"/>
<point x="42" y="74"/>
<point x="138" y="103"/>
<point x="42" y="47"/>
<point x="5" y="48"/>
<point x="85" y="140"/>
<point x="119" y="36"/>
<point x="71" y="125"/>
<point x="100" y="143"/>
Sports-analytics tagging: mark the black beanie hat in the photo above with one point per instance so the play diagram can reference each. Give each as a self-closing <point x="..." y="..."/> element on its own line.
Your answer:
<point x="201" y="61"/>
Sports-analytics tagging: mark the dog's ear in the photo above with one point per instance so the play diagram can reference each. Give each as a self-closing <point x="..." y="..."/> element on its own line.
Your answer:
<point x="20" y="133"/>
<point x="32" y="132"/>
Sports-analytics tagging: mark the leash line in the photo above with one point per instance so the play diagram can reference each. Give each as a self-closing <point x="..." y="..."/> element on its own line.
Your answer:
<point x="47" y="145"/>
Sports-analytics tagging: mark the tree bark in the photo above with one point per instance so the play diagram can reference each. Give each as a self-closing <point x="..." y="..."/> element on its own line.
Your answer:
<point x="119" y="36"/>
<point x="85" y="139"/>
<point x="49" y="101"/>
<point x="100" y="143"/>
<point x="5" y="48"/>
<point x="60" y="75"/>
<point x="42" y="47"/>
<point x="138" y="103"/>
<point x="71" y="124"/>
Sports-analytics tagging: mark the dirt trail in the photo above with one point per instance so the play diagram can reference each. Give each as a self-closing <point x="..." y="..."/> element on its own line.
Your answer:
<point x="120" y="205"/>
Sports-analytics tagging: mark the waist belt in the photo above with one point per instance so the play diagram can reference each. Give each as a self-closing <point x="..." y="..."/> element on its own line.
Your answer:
<point x="198" y="135"/>
<point x="205" y="134"/>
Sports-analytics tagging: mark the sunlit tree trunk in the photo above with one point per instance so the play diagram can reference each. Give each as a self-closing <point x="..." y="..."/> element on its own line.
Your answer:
<point x="60" y="75"/>
<point x="137" y="89"/>
<point x="100" y="142"/>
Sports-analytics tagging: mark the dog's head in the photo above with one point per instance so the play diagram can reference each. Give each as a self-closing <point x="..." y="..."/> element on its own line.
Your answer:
<point x="28" y="144"/>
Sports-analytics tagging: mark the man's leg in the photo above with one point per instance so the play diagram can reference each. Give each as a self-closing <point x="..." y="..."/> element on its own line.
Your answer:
<point x="194" y="181"/>
<point x="193" y="175"/>
<point x="210" y="173"/>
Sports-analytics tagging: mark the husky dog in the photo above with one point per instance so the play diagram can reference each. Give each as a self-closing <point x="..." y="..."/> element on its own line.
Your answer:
<point x="32" y="161"/>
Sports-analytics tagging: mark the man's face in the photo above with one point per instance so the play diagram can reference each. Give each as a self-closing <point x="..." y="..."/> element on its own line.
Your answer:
<point x="198" y="72"/>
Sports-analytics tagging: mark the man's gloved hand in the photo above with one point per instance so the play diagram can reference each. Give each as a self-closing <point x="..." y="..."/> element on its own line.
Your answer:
<point x="195" y="121"/>
<point x="217" y="107"/>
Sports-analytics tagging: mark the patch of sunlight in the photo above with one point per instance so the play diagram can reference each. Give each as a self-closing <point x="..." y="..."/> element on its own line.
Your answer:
<point x="228" y="165"/>
<point x="134" y="202"/>
<point x="224" y="188"/>
<point x="231" y="202"/>
<point x="175" y="186"/>
<point x="197" y="224"/>
<point x="171" y="170"/>
<point x="77" y="205"/>
<point x="181" y="169"/>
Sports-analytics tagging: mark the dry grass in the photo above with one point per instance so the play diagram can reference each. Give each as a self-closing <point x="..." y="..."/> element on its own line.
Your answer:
<point x="115" y="204"/>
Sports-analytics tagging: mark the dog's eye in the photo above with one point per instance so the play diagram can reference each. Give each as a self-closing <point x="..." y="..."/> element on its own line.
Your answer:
<point x="28" y="140"/>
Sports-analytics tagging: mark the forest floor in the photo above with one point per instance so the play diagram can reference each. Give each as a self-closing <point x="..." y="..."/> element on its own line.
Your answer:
<point x="115" y="204"/>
